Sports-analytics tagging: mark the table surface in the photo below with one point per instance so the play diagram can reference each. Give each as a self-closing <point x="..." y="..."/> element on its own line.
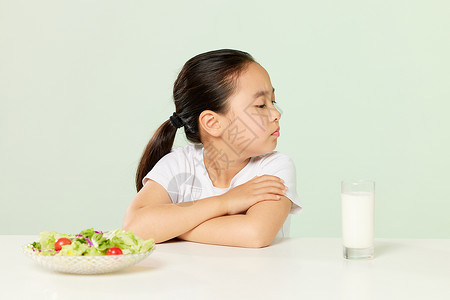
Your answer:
<point x="292" y="268"/>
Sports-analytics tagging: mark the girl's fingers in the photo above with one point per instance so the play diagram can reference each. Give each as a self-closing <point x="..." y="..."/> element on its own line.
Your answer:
<point x="272" y="190"/>
<point x="267" y="178"/>
<point x="268" y="197"/>
<point x="273" y="184"/>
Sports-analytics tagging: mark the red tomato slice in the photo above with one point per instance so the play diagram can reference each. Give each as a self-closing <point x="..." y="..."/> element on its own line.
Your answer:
<point x="61" y="242"/>
<point x="114" y="251"/>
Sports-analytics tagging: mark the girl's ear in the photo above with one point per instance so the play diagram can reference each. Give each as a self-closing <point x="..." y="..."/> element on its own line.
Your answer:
<point x="211" y="123"/>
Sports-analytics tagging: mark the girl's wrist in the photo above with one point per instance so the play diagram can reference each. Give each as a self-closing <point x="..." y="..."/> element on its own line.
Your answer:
<point x="222" y="204"/>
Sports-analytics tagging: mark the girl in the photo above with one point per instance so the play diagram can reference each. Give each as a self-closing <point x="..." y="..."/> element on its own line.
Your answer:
<point x="229" y="187"/>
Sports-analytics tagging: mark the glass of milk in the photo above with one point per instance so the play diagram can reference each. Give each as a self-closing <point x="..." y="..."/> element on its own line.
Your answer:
<point x="358" y="207"/>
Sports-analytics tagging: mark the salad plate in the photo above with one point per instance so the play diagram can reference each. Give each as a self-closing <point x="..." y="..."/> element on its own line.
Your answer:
<point x="89" y="252"/>
<point x="86" y="264"/>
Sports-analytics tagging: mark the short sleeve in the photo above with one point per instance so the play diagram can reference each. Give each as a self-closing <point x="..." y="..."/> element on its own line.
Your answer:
<point x="281" y="165"/>
<point x="163" y="173"/>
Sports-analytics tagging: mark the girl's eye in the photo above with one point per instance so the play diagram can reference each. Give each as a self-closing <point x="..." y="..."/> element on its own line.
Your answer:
<point x="263" y="105"/>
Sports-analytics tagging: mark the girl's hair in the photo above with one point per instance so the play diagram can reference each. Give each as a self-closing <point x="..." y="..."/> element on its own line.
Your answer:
<point x="205" y="82"/>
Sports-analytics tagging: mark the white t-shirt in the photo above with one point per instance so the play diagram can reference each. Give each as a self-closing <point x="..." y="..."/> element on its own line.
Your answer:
<point x="183" y="174"/>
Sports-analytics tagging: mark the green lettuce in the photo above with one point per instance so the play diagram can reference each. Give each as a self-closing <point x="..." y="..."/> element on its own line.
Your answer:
<point x="47" y="239"/>
<point x="91" y="242"/>
<point x="76" y="248"/>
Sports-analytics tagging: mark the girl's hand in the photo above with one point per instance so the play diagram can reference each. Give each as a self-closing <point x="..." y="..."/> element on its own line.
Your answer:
<point x="262" y="188"/>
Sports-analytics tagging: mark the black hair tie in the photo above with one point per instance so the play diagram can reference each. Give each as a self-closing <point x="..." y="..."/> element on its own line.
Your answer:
<point x="176" y="121"/>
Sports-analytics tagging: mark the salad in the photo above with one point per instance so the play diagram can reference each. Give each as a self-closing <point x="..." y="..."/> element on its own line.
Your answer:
<point x="90" y="242"/>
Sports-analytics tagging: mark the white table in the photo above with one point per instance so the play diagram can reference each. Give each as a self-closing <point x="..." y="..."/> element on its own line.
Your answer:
<point x="296" y="268"/>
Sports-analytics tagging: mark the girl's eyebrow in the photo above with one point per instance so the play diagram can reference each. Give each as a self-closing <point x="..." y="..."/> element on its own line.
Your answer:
<point x="263" y="93"/>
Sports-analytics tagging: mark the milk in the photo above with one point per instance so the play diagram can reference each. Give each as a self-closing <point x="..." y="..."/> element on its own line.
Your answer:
<point x="358" y="219"/>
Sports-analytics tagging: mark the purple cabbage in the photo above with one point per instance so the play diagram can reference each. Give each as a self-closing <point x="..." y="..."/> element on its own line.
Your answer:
<point x="89" y="241"/>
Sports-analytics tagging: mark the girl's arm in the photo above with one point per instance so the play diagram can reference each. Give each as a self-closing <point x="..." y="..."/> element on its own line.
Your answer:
<point x="153" y="215"/>
<point x="257" y="228"/>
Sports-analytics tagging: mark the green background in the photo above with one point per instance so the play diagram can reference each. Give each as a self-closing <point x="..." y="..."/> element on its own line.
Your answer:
<point x="364" y="88"/>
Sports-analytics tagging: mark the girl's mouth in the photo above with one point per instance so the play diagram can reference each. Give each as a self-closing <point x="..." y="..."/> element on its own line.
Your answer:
<point x="276" y="133"/>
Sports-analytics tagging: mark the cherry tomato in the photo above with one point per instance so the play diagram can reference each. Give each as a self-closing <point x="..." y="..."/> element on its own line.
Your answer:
<point x="61" y="242"/>
<point x="114" y="251"/>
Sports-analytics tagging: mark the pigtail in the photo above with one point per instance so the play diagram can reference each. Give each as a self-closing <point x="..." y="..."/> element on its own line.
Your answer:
<point x="159" y="145"/>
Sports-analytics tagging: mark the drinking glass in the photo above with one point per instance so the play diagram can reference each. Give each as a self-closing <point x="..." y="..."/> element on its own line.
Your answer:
<point x="357" y="204"/>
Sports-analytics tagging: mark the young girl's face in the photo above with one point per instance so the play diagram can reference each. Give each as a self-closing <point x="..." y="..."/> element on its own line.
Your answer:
<point x="253" y="119"/>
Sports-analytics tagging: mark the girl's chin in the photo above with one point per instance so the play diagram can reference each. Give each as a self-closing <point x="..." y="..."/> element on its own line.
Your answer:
<point x="267" y="150"/>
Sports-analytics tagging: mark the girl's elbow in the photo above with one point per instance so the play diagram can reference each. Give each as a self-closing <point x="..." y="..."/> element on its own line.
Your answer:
<point x="131" y="225"/>
<point x="260" y="238"/>
<point x="264" y="242"/>
<point x="259" y="244"/>
<point x="144" y="234"/>
<point x="127" y="226"/>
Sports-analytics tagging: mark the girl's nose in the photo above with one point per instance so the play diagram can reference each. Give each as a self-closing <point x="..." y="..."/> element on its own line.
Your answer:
<point x="274" y="114"/>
